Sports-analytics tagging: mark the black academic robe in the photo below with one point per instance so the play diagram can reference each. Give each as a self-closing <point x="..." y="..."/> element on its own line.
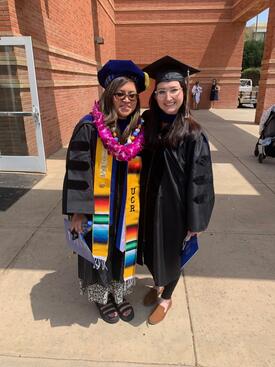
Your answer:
<point x="78" y="197"/>
<point x="177" y="195"/>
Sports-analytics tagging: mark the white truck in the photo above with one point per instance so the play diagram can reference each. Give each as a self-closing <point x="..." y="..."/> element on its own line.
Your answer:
<point x="247" y="93"/>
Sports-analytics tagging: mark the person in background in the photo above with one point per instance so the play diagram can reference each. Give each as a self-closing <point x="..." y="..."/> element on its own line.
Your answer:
<point x="101" y="185"/>
<point x="177" y="194"/>
<point x="196" y="94"/>
<point x="214" y="92"/>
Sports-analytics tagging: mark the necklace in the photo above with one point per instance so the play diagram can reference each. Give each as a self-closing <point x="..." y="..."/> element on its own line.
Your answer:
<point x="122" y="152"/>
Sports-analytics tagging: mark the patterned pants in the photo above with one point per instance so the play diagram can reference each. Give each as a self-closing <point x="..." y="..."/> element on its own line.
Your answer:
<point x="98" y="293"/>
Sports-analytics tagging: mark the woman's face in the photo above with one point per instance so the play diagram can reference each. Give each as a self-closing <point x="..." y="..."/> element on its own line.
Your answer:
<point x="125" y="100"/>
<point x="169" y="96"/>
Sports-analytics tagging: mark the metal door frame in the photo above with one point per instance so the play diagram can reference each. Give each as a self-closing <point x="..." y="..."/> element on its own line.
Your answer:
<point x="26" y="163"/>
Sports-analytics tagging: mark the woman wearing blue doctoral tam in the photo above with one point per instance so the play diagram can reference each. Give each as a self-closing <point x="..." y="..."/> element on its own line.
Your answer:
<point x="101" y="188"/>
<point x="177" y="194"/>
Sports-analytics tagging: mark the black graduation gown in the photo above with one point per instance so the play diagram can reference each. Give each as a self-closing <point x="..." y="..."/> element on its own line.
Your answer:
<point x="78" y="198"/>
<point x="177" y="195"/>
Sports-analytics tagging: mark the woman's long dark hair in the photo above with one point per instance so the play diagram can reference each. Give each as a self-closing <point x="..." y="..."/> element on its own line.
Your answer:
<point x="179" y="129"/>
<point x="107" y="107"/>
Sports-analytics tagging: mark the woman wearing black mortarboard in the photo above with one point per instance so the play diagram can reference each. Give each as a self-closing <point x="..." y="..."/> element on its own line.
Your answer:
<point x="177" y="194"/>
<point x="101" y="188"/>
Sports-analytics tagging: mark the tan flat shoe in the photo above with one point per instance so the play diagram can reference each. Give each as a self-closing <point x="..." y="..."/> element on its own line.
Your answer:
<point x="158" y="314"/>
<point x="151" y="297"/>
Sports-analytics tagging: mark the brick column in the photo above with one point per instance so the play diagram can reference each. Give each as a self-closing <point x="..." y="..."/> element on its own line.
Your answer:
<point x="5" y="23"/>
<point x="266" y="96"/>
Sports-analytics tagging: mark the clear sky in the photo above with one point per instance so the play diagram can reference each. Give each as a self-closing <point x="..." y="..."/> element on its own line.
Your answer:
<point x="262" y="18"/>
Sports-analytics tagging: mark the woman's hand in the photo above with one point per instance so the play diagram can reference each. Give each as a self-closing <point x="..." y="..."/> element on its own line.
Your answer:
<point x="77" y="220"/>
<point x="191" y="234"/>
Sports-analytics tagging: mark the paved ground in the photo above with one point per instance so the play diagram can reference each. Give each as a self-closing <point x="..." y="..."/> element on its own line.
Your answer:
<point x="223" y="311"/>
<point x="15" y="185"/>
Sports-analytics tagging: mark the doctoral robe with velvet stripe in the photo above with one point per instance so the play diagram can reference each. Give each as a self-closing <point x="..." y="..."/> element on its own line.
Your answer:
<point x="78" y="197"/>
<point x="177" y="195"/>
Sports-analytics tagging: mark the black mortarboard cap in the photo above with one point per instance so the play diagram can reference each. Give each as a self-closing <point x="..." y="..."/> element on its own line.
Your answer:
<point x="168" y="69"/>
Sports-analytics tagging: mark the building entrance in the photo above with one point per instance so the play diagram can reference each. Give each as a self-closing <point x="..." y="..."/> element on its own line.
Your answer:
<point x="21" y="139"/>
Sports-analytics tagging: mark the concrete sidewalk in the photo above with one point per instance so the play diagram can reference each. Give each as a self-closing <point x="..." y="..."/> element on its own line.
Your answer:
<point x="223" y="311"/>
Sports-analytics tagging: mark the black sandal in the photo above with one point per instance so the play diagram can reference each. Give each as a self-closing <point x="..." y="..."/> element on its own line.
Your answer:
<point x="124" y="307"/>
<point x="107" y="311"/>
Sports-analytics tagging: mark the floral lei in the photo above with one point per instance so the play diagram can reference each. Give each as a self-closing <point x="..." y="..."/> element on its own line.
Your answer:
<point x="121" y="152"/>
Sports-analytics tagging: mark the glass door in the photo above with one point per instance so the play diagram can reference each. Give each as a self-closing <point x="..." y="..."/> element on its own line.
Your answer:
<point x="21" y="139"/>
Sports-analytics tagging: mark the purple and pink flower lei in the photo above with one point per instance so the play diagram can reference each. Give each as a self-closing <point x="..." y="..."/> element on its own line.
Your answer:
<point x="121" y="152"/>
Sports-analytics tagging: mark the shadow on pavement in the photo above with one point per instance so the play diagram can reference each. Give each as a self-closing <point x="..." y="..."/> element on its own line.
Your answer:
<point x="15" y="185"/>
<point x="56" y="298"/>
<point x="239" y="242"/>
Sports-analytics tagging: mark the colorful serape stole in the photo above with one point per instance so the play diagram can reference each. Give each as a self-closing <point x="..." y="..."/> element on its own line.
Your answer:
<point x="127" y="227"/>
<point x="101" y="217"/>
<point x="127" y="235"/>
<point x="132" y="218"/>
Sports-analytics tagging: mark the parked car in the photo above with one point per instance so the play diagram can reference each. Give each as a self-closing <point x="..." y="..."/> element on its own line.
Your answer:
<point x="247" y="93"/>
<point x="245" y="85"/>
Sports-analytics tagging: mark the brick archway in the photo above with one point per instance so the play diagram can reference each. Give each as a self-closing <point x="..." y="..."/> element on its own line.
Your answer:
<point x="244" y="10"/>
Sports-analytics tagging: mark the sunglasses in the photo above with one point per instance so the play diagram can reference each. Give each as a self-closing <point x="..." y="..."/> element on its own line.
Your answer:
<point x="131" y="96"/>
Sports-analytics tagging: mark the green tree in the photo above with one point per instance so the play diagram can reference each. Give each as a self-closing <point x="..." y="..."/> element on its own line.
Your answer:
<point x="252" y="73"/>
<point x="253" y="53"/>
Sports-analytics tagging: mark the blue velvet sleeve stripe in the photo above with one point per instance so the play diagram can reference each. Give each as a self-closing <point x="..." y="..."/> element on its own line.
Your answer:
<point x="88" y="117"/>
<point x="119" y="243"/>
<point x="113" y="187"/>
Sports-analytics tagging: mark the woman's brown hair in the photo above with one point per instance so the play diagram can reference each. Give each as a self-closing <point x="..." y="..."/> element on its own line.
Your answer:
<point x="180" y="128"/>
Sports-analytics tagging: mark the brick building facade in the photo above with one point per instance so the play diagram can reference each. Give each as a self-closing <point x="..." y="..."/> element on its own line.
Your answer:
<point x="67" y="51"/>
